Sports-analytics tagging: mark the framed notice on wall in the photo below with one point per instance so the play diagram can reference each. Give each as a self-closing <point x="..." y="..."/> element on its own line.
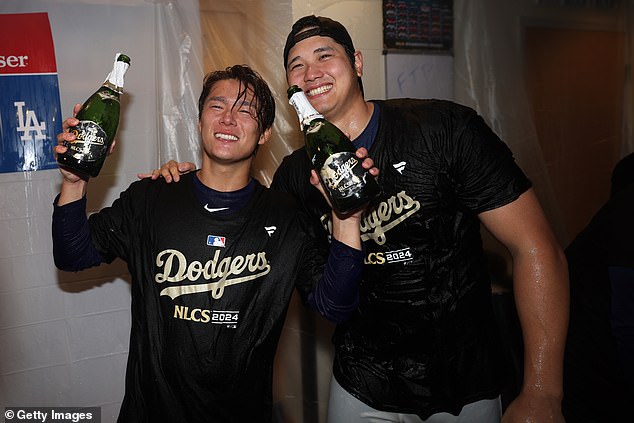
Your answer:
<point x="418" y="25"/>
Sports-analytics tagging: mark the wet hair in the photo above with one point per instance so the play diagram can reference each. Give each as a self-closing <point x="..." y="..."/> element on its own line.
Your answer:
<point x="250" y="80"/>
<point x="310" y="26"/>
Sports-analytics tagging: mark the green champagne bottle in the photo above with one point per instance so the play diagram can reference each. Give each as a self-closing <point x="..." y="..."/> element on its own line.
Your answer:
<point x="347" y="184"/>
<point x="98" y="121"/>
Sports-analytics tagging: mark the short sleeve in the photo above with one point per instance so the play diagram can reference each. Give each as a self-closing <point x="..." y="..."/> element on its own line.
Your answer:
<point x="484" y="170"/>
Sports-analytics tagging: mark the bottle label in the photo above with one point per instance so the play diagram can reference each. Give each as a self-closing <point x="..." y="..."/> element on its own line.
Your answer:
<point x="342" y="174"/>
<point x="90" y="141"/>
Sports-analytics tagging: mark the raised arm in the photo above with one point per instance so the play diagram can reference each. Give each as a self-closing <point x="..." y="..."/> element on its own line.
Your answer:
<point x="540" y="282"/>
<point x="73" y="185"/>
<point x="336" y="296"/>
<point x="72" y="245"/>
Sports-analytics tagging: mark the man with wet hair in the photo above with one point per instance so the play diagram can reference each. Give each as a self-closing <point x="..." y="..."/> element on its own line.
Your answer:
<point x="213" y="262"/>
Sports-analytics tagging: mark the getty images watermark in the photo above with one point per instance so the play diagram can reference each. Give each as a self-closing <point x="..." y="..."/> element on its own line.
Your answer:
<point x="52" y="414"/>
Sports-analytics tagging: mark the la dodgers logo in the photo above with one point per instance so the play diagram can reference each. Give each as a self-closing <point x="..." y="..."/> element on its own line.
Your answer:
<point x="28" y="122"/>
<point x="174" y="267"/>
<point x="382" y="218"/>
<point x="386" y="216"/>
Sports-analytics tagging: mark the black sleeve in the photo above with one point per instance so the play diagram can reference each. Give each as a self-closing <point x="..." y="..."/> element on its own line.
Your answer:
<point x="486" y="174"/>
<point x="336" y="295"/>
<point x="330" y="271"/>
<point x="117" y="229"/>
<point x="292" y="177"/>
<point x="73" y="249"/>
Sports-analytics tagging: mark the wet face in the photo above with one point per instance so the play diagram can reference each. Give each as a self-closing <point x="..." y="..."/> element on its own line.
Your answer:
<point x="228" y="127"/>
<point x="321" y="68"/>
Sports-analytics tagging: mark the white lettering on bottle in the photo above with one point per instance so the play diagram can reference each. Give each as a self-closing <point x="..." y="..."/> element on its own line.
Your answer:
<point x="339" y="173"/>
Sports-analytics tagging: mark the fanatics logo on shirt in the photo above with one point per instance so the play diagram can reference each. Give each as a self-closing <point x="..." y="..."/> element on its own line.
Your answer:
<point x="216" y="241"/>
<point x="400" y="167"/>
<point x="270" y="230"/>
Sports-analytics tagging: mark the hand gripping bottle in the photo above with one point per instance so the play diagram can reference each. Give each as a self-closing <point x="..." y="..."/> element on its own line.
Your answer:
<point x="98" y="121"/>
<point x="348" y="185"/>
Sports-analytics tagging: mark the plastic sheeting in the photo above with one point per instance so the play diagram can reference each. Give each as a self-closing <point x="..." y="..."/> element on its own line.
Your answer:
<point x="180" y="63"/>
<point x="487" y="62"/>
<point x="490" y="77"/>
<point x="218" y="35"/>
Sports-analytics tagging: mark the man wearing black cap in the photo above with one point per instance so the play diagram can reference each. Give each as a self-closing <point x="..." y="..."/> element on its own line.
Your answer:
<point x="422" y="345"/>
<point x="422" y="342"/>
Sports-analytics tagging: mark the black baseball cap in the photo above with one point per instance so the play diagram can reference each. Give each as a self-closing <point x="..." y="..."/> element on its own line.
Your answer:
<point x="310" y="26"/>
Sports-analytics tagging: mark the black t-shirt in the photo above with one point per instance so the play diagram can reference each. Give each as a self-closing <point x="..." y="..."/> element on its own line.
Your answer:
<point x="423" y="339"/>
<point x="209" y="297"/>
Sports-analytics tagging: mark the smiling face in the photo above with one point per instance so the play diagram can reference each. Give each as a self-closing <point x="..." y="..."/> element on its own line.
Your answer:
<point x="228" y="124"/>
<point x="321" y="68"/>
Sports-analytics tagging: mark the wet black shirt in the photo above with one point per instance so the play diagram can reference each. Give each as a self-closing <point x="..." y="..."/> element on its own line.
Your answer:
<point x="209" y="297"/>
<point x="423" y="339"/>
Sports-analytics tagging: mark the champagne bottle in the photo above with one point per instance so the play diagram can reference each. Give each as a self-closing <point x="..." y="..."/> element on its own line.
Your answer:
<point x="347" y="184"/>
<point x="98" y="121"/>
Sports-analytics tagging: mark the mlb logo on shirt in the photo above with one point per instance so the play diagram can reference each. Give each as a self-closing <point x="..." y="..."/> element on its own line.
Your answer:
<point x="216" y="241"/>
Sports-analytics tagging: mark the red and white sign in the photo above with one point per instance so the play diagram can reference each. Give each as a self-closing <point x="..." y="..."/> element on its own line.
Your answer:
<point x="30" y="115"/>
<point x="26" y="44"/>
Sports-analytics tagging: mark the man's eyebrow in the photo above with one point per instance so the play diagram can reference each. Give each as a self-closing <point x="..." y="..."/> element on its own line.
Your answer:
<point x="218" y="98"/>
<point x="223" y="99"/>
<point x="290" y="62"/>
<point x="322" y="49"/>
<point x="316" y="51"/>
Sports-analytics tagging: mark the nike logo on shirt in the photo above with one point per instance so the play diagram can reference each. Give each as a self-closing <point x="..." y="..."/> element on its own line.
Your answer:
<point x="212" y="210"/>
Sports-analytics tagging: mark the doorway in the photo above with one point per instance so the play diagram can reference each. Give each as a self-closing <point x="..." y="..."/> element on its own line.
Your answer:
<point x="575" y="83"/>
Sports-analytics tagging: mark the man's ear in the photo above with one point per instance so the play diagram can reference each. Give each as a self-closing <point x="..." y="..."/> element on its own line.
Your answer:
<point x="265" y="136"/>
<point x="358" y="62"/>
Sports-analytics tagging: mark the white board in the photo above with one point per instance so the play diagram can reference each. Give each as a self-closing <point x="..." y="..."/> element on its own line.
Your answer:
<point x="419" y="76"/>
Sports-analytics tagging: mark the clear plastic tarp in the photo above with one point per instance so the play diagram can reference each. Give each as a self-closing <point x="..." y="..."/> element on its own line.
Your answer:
<point x="218" y="35"/>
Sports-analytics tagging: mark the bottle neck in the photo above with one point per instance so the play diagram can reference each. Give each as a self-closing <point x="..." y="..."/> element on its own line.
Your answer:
<point x="114" y="81"/>
<point x="113" y="87"/>
<point x="305" y="111"/>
